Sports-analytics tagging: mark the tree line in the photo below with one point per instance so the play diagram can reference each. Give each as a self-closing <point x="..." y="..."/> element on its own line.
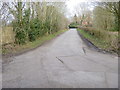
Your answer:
<point x="104" y="16"/>
<point x="31" y="20"/>
<point x="100" y="20"/>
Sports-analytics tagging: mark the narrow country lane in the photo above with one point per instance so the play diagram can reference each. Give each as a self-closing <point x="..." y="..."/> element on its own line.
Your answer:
<point x="64" y="62"/>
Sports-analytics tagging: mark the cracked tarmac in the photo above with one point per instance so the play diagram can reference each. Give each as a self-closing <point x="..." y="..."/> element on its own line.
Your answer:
<point x="65" y="62"/>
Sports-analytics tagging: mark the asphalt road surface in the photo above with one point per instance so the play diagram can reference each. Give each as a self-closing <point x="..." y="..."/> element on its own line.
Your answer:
<point x="64" y="62"/>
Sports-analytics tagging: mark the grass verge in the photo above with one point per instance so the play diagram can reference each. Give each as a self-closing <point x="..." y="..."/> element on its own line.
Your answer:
<point x="11" y="48"/>
<point x="98" y="42"/>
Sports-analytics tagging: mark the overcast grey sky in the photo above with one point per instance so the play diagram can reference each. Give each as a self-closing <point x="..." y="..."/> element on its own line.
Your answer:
<point x="71" y="4"/>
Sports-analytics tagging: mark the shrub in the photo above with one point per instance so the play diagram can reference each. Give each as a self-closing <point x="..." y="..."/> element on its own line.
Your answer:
<point x="20" y="36"/>
<point x="73" y="25"/>
<point x="34" y="31"/>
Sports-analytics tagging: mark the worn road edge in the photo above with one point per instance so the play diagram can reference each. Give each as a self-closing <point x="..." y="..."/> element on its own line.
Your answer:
<point x="92" y="46"/>
<point x="31" y="49"/>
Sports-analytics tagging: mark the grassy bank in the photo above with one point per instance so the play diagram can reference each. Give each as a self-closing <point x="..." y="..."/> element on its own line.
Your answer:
<point x="13" y="48"/>
<point x="103" y="42"/>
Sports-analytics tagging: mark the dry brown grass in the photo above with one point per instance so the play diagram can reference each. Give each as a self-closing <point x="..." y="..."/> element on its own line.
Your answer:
<point x="7" y="35"/>
<point x="109" y="39"/>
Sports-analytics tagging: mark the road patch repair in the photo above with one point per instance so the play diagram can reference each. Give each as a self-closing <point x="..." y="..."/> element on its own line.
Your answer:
<point x="97" y="73"/>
